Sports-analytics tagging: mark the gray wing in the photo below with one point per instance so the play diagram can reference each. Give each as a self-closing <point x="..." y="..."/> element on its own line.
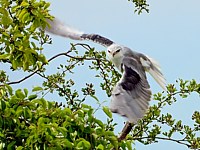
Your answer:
<point x="131" y="95"/>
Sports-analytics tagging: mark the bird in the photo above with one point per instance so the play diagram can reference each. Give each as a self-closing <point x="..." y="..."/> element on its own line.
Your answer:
<point x="131" y="95"/>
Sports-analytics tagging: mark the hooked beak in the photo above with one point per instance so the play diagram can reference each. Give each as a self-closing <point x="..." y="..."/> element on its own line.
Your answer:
<point x="113" y="54"/>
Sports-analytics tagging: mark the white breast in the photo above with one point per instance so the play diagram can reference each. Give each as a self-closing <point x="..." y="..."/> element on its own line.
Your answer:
<point x="117" y="62"/>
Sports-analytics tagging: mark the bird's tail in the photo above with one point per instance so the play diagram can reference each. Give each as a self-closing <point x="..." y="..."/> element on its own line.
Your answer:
<point x="154" y="70"/>
<point x="59" y="28"/>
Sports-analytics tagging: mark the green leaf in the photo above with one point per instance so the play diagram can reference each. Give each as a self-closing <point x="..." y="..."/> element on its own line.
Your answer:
<point x="26" y="92"/>
<point x="19" y="148"/>
<point x="67" y="143"/>
<point x="22" y="13"/>
<point x="107" y="111"/>
<point x="20" y="94"/>
<point x="37" y="88"/>
<point x="11" y="145"/>
<point x="19" y="110"/>
<point x="93" y="96"/>
<point x="43" y="59"/>
<point x="2" y="105"/>
<point x="5" y="18"/>
<point x="99" y="122"/>
<point x="10" y="90"/>
<point x="24" y="4"/>
<point x="31" y="97"/>
<point x="114" y="141"/>
<point x="129" y="145"/>
<point x="100" y="147"/>
<point x="4" y="56"/>
<point x="27" y="113"/>
<point x="83" y="144"/>
<point x="109" y="133"/>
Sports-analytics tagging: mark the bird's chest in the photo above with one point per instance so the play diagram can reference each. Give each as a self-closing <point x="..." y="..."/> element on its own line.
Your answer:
<point x="117" y="63"/>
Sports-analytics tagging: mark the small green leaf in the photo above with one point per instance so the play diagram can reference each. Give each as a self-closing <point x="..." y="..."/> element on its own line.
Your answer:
<point x="109" y="133"/>
<point x="27" y="113"/>
<point x="10" y="90"/>
<point x="31" y="97"/>
<point x="37" y="88"/>
<point x="67" y="143"/>
<point x="129" y="145"/>
<point x="20" y="94"/>
<point x="114" y="141"/>
<point x="83" y="144"/>
<point x="93" y="96"/>
<point x="24" y="4"/>
<point x="107" y="111"/>
<point x="19" y="111"/>
<point x="11" y="145"/>
<point x="100" y="147"/>
<point x="4" y="56"/>
<point x="2" y="105"/>
<point x="99" y="122"/>
<point x="20" y="148"/>
<point x="26" y="92"/>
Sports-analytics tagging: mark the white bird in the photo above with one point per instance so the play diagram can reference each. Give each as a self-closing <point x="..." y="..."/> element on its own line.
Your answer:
<point x="131" y="95"/>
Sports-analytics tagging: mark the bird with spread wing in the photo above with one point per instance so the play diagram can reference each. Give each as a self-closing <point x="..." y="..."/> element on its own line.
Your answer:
<point x="131" y="95"/>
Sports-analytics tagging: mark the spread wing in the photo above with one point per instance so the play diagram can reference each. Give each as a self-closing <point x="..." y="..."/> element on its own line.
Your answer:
<point x="57" y="27"/>
<point x="131" y="95"/>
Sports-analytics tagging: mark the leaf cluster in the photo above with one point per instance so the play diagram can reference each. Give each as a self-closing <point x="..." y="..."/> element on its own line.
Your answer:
<point x="28" y="121"/>
<point x="21" y="41"/>
<point x="140" y="6"/>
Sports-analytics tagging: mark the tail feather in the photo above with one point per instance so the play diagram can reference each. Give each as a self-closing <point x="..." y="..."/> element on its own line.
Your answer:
<point x="59" y="28"/>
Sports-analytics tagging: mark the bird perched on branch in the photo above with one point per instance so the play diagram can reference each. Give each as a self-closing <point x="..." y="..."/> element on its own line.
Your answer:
<point x="131" y="95"/>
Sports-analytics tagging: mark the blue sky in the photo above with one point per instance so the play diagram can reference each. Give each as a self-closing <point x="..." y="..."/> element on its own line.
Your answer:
<point x="170" y="33"/>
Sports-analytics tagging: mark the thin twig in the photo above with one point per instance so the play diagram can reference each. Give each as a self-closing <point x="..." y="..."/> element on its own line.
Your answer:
<point x="163" y="138"/>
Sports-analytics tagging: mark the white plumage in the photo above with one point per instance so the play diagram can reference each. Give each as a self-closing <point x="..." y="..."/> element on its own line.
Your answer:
<point x="59" y="28"/>
<point x="131" y="95"/>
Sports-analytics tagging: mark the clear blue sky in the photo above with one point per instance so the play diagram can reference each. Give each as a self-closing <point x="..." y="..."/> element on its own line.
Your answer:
<point x="170" y="33"/>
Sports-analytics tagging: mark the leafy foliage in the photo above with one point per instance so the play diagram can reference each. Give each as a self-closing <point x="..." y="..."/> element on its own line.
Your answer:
<point x="140" y="6"/>
<point x="20" y="40"/>
<point x="29" y="121"/>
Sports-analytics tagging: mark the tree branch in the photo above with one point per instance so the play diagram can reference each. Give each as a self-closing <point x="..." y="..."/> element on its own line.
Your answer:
<point x="125" y="131"/>
<point x="54" y="57"/>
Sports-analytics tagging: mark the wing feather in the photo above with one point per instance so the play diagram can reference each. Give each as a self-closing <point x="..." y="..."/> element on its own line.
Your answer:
<point x="131" y="95"/>
<point x="154" y="70"/>
<point x="57" y="27"/>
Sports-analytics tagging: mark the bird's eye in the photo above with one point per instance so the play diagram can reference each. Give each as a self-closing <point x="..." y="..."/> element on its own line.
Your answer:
<point x="108" y="51"/>
<point x="118" y="51"/>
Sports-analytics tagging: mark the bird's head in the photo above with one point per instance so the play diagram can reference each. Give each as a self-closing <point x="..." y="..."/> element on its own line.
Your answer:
<point x="114" y="52"/>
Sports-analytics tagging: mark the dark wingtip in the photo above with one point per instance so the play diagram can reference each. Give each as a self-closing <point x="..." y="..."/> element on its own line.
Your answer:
<point x="98" y="39"/>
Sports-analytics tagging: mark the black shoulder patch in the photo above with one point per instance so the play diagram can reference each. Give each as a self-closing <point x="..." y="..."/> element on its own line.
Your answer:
<point x="131" y="79"/>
